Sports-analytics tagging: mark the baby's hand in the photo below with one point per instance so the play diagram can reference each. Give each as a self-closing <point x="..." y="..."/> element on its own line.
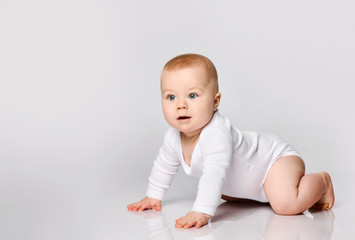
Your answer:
<point x="145" y="204"/>
<point x="191" y="219"/>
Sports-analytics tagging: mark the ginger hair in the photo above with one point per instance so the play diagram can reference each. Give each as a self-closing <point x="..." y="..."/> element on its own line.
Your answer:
<point x="193" y="60"/>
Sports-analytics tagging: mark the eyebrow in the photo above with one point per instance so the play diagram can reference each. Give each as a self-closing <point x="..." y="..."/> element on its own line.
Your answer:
<point x="190" y="89"/>
<point x="167" y="90"/>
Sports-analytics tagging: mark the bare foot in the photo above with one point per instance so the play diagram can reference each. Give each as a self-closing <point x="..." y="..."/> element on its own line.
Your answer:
<point x="328" y="198"/>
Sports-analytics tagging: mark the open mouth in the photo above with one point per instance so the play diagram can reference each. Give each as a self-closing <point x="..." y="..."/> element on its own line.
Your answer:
<point x="183" y="117"/>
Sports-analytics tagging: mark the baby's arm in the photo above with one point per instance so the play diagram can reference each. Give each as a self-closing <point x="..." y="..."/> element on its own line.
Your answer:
<point x="145" y="204"/>
<point x="165" y="167"/>
<point x="217" y="149"/>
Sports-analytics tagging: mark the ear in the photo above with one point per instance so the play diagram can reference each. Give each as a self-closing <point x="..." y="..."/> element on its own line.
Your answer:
<point x="217" y="99"/>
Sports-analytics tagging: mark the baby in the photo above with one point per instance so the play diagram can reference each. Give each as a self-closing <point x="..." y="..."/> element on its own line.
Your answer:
<point x="231" y="164"/>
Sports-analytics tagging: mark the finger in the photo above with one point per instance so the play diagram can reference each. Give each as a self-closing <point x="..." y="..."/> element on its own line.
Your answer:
<point x="143" y="207"/>
<point x="190" y="224"/>
<point x="199" y="224"/>
<point x="137" y="206"/>
<point x="158" y="206"/>
<point x="180" y="222"/>
<point x="178" y="225"/>
<point x="179" y="219"/>
<point x="184" y="221"/>
<point x="131" y="206"/>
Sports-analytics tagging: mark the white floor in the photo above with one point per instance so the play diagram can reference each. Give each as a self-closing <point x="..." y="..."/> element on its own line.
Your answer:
<point x="42" y="208"/>
<point x="241" y="221"/>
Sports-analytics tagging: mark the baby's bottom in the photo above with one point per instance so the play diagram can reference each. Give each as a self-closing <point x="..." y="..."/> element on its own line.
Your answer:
<point x="290" y="191"/>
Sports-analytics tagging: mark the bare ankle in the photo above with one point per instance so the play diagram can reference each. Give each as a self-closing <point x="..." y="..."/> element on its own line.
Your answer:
<point x="325" y="178"/>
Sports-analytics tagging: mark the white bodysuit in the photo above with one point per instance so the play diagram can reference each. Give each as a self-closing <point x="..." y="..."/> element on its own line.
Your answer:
<point x="226" y="160"/>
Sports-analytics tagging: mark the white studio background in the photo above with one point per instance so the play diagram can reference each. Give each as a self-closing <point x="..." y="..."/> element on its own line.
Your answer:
<point x="80" y="111"/>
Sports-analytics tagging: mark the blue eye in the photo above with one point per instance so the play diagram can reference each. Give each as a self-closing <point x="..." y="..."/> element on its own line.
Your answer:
<point x="192" y="96"/>
<point x="171" y="97"/>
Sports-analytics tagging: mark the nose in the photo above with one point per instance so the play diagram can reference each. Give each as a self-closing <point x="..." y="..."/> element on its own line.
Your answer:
<point x="181" y="104"/>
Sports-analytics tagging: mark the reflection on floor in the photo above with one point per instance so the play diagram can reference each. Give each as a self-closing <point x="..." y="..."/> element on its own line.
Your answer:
<point x="249" y="221"/>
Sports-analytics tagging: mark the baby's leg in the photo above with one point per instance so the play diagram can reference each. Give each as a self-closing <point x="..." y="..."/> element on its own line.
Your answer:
<point x="290" y="191"/>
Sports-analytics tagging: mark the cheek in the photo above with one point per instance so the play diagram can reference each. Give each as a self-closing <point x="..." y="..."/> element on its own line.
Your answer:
<point x="205" y="112"/>
<point x="168" y="111"/>
<point x="206" y="108"/>
<point x="165" y="106"/>
<point x="209" y="110"/>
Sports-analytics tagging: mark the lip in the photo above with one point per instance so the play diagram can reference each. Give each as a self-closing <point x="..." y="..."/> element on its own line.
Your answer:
<point x="183" y="118"/>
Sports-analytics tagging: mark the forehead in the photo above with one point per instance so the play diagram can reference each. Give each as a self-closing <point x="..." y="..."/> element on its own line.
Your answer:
<point x="185" y="77"/>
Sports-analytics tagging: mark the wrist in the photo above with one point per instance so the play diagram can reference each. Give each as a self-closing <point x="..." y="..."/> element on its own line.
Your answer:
<point x="203" y="214"/>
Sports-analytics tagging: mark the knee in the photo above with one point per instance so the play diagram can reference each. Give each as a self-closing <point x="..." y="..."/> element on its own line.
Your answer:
<point x="286" y="207"/>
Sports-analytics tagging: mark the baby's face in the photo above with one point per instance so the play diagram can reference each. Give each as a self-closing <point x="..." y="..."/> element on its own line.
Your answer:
<point x="189" y="99"/>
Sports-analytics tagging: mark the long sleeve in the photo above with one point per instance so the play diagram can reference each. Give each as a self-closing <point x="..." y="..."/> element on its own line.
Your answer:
<point x="217" y="149"/>
<point x="164" y="169"/>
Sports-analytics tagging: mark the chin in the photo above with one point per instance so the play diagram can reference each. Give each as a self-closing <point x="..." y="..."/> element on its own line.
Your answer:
<point x="184" y="130"/>
<point x="187" y="131"/>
